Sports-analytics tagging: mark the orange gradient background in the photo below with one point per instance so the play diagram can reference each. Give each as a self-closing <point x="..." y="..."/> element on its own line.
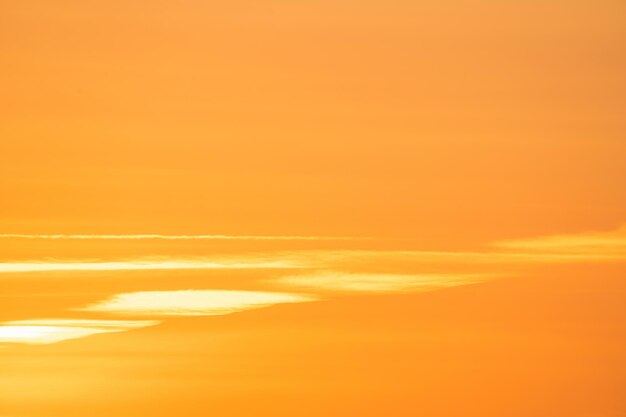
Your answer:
<point x="342" y="208"/>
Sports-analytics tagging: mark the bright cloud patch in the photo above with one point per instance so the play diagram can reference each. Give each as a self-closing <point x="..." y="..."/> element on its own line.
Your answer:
<point x="193" y="302"/>
<point x="377" y="283"/>
<point x="53" y="330"/>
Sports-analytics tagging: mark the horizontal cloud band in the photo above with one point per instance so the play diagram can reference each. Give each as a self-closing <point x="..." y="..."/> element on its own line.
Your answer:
<point x="173" y="237"/>
<point x="47" y="331"/>
<point x="193" y="302"/>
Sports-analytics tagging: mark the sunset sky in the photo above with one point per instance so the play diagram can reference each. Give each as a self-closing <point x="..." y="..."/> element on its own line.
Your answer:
<point x="313" y="208"/>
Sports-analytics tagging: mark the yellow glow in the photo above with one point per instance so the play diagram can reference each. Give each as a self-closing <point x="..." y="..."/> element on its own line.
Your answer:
<point x="378" y="283"/>
<point x="193" y="302"/>
<point x="52" y="330"/>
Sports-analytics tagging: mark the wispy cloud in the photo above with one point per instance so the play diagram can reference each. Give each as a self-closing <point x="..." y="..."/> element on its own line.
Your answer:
<point x="548" y="250"/>
<point x="47" y="331"/>
<point x="378" y="283"/>
<point x="150" y="264"/>
<point x="335" y="274"/>
<point x="594" y="244"/>
<point x="333" y="259"/>
<point x="193" y="302"/>
<point x="172" y="237"/>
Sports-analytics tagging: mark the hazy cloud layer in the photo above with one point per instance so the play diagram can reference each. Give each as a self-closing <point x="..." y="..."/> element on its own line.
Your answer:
<point x="335" y="272"/>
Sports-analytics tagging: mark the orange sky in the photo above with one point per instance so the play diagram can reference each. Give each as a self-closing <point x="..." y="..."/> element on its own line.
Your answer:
<point x="407" y="208"/>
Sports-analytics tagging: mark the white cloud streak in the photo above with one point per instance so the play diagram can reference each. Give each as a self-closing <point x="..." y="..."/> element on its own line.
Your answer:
<point x="378" y="283"/>
<point x="46" y="331"/>
<point x="140" y="265"/>
<point x="192" y="302"/>
<point x="172" y="237"/>
<point x="608" y="244"/>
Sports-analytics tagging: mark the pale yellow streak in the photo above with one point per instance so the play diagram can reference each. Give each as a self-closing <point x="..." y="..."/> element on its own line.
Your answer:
<point x="193" y="302"/>
<point x="378" y="283"/>
<point x="44" y="334"/>
<point x="334" y="258"/>
<point x="56" y="330"/>
<point x="175" y="237"/>
<point x="591" y="244"/>
<point x="319" y="259"/>
<point x="322" y="259"/>
<point x="144" y="265"/>
<point x="90" y="323"/>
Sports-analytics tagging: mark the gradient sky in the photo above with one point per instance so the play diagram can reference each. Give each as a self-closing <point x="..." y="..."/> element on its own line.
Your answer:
<point x="406" y="208"/>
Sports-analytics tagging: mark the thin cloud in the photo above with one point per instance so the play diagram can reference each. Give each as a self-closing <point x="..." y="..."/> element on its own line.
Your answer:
<point x="135" y="265"/>
<point x="333" y="259"/>
<point x="594" y="245"/>
<point x="378" y="283"/>
<point x="193" y="302"/>
<point x="339" y="258"/>
<point x="173" y="237"/>
<point x="46" y="331"/>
